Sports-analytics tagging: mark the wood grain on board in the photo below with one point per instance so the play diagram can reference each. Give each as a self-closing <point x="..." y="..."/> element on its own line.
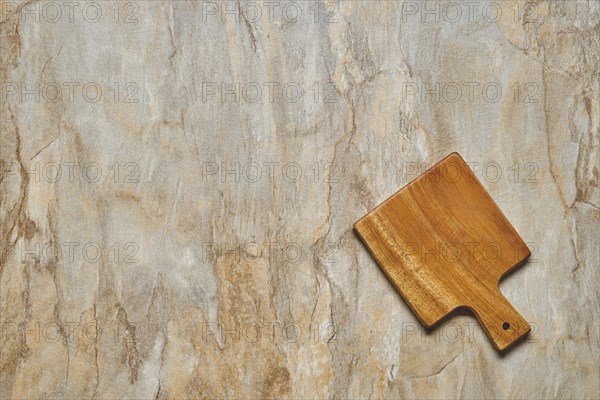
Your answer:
<point x="445" y="244"/>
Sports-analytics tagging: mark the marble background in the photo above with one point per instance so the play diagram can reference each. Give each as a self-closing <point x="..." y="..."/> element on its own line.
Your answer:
<point x="180" y="179"/>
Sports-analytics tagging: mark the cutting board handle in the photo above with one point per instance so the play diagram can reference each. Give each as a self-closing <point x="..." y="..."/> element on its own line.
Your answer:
<point x="501" y="322"/>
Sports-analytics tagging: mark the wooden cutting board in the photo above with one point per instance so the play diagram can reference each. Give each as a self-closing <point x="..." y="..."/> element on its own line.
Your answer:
<point x="444" y="245"/>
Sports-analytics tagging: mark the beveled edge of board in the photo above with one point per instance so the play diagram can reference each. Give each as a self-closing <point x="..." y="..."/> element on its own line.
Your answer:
<point x="389" y="198"/>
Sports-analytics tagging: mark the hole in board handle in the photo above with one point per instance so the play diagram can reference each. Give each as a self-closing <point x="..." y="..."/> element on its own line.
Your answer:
<point x="505" y="326"/>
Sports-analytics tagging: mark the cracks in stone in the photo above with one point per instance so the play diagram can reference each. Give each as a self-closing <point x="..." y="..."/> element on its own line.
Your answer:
<point x="587" y="336"/>
<point x="438" y="371"/>
<point x="532" y="32"/>
<point x="318" y="287"/>
<point x="462" y="388"/>
<point x="583" y="181"/>
<point x="586" y="56"/>
<point x="96" y="357"/>
<point x="567" y="208"/>
<point x="158" y="390"/>
<point x="551" y="168"/>
<point x="65" y="337"/>
<point x="131" y="355"/>
<point x="157" y="308"/>
<point x="159" y="297"/>
<point x="535" y="60"/>
<point x="52" y="266"/>
<point x="372" y="388"/>
<point x="45" y="147"/>
<point x="249" y="28"/>
<point x="26" y="297"/>
<point x="573" y="240"/>
<point x="17" y="213"/>
<point x="51" y="58"/>
<point x="582" y="184"/>
<point x="170" y="26"/>
<point x="105" y="294"/>
<point x="162" y="359"/>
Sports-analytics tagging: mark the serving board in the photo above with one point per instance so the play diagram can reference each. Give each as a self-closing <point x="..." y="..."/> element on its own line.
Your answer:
<point x="444" y="244"/>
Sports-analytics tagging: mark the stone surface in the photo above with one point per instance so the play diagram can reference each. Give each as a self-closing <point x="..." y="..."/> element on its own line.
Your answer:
<point x="180" y="182"/>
